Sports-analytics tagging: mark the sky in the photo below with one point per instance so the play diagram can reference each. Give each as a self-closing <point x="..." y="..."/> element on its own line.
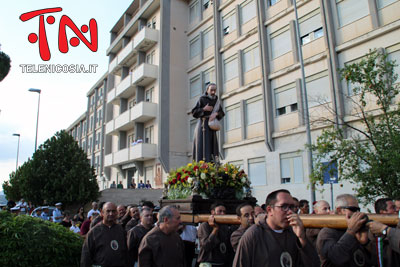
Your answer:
<point x="63" y="95"/>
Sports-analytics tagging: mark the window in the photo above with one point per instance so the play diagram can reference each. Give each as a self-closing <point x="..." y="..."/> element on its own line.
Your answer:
<point x="206" y="4"/>
<point x="90" y="144"/>
<point x="251" y="58"/>
<point x="148" y="95"/>
<point x="132" y="103"/>
<point x="84" y="146"/>
<point x="395" y="55"/>
<point x="208" y="77"/>
<point x="318" y="89"/>
<point x="272" y="2"/>
<point x="229" y="23"/>
<point x="194" y="47"/>
<point x="351" y="10"/>
<point x="311" y="27"/>
<point x="150" y="57"/>
<point x="91" y="122"/>
<point x="383" y="3"/>
<point x="285" y="100"/>
<point x="195" y="87"/>
<point x="291" y="168"/>
<point x="148" y="174"/>
<point x="233" y="120"/>
<point x="353" y="88"/>
<point x="194" y="14"/>
<point x="97" y="163"/>
<point x="193" y="124"/>
<point x="152" y="23"/>
<point x="98" y="142"/>
<point x="247" y="11"/>
<point x="149" y="135"/>
<point x="208" y="38"/>
<point x="257" y="171"/>
<point x="230" y="69"/>
<point x="280" y="42"/>
<point x="237" y="163"/>
<point x="254" y="111"/>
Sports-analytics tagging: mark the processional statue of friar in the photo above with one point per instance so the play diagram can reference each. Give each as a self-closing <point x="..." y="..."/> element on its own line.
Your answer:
<point x="209" y="112"/>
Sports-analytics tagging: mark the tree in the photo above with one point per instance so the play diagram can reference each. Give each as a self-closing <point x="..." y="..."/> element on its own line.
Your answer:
<point x="58" y="171"/>
<point x="5" y="65"/>
<point x="366" y="146"/>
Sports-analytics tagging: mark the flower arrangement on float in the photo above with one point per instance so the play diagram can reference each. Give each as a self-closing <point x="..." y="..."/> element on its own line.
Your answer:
<point x="209" y="180"/>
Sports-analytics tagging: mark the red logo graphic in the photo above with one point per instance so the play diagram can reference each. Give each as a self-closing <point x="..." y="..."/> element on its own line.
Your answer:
<point x="62" y="36"/>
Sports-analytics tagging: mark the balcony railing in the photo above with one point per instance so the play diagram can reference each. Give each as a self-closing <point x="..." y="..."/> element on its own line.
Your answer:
<point x="144" y="74"/>
<point x="145" y="39"/>
<point x="143" y="111"/>
<point x="142" y="152"/>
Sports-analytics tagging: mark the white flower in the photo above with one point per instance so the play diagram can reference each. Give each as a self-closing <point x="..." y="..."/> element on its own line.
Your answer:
<point x="243" y="179"/>
<point x="233" y="176"/>
<point x="203" y="175"/>
<point x="190" y="180"/>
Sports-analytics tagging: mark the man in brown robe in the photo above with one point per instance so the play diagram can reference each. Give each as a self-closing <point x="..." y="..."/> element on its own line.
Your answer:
<point x="346" y="248"/>
<point x="136" y="234"/>
<point x="279" y="241"/>
<point x="134" y="214"/>
<point x="320" y="207"/>
<point x="205" y="143"/>
<point x="162" y="246"/>
<point x="245" y="213"/>
<point x="389" y="236"/>
<point x="105" y="244"/>
<point x="215" y="247"/>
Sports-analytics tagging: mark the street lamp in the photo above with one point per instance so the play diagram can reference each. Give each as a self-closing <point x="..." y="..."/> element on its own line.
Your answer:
<point x="37" y="120"/>
<point x="16" y="134"/>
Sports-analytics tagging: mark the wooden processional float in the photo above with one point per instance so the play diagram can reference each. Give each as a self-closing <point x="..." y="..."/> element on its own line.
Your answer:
<point x="194" y="210"/>
<point x="309" y="220"/>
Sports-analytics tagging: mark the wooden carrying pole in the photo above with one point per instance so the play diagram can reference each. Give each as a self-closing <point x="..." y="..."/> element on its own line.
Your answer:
<point x="309" y="221"/>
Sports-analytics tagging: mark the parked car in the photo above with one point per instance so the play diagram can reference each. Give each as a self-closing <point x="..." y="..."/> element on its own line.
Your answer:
<point x="50" y="213"/>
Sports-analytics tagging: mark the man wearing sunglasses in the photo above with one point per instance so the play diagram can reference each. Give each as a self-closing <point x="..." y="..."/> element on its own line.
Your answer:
<point x="346" y="247"/>
<point x="280" y="240"/>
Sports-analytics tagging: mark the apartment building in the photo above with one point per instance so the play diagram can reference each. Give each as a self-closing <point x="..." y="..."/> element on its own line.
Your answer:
<point x="88" y="129"/>
<point x="162" y="55"/>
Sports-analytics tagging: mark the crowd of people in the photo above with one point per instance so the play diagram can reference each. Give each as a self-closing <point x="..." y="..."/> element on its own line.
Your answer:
<point x="269" y="235"/>
<point x="132" y="185"/>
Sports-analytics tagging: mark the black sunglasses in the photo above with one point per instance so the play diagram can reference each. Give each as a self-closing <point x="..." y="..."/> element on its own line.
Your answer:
<point x="351" y="208"/>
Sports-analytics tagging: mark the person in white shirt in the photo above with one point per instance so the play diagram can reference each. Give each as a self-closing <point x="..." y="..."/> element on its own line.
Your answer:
<point x="94" y="209"/>
<point x="75" y="228"/>
<point x="22" y="205"/>
<point x="57" y="214"/>
<point x="189" y="235"/>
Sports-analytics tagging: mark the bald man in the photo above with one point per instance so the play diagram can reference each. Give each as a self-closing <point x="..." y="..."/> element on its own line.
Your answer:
<point x="320" y="207"/>
<point x="105" y="244"/>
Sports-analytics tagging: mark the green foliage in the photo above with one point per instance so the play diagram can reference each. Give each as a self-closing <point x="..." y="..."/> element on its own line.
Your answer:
<point x="5" y="65"/>
<point x="58" y="171"/>
<point x="28" y="241"/>
<point x="366" y="147"/>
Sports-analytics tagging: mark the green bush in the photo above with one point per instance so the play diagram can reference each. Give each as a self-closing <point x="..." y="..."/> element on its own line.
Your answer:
<point x="28" y="241"/>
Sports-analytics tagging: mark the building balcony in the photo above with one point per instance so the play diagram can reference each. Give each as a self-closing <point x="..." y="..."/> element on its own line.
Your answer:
<point x="121" y="156"/>
<point x="108" y="160"/>
<point x="145" y="39"/>
<point x="110" y="127"/>
<point x="125" y="88"/>
<point x="126" y="53"/>
<point x="122" y="122"/>
<point x="144" y="74"/>
<point x="144" y="111"/>
<point x="142" y="152"/>
<point x="112" y="67"/>
<point x="139" y="152"/>
<point x="111" y="95"/>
